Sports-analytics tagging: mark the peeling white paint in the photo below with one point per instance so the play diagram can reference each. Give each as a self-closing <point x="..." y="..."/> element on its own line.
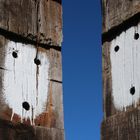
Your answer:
<point x="20" y="80"/>
<point x="126" y="68"/>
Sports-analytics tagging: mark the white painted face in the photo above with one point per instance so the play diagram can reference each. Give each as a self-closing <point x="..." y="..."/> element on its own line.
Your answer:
<point x="25" y="88"/>
<point x="125" y="62"/>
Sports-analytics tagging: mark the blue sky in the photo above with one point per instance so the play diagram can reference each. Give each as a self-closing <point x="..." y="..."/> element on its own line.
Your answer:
<point x="82" y="81"/>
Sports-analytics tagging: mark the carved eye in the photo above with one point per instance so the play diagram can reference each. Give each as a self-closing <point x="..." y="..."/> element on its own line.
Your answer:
<point x="37" y="61"/>
<point x="26" y="105"/>
<point x="116" y="49"/>
<point x="132" y="90"/>
<point x="136" y="36"/>
<point x="14" y="54"/>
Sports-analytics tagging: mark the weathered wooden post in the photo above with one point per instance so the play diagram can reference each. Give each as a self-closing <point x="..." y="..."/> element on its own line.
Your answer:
<point x="121" y="70"/>
<point x="31" y="104"/>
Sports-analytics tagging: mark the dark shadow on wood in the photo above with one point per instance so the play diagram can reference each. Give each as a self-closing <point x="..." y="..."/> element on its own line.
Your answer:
<point x="25" y="40"/>
<point x="59" y="1"/>
<point x="117" y="30"/>
<point x="11" y="131"/>
<point x="8" y="131"/>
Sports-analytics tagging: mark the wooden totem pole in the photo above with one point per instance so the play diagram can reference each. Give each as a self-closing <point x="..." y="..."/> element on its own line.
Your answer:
<point x="31" y="104"/>
<point x="121" y="69"/>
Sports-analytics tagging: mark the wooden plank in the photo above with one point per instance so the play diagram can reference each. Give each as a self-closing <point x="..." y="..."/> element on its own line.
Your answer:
<point x="42" y="20"/>
<point x="121" y="78"/>
<point x="107" y="80"/>
<point x="53" y="116"/>
<point x="51" y="11"/>
<point x="116" y="12"/>
<point x="10" y="11"/>
<point x="55" y="65"/>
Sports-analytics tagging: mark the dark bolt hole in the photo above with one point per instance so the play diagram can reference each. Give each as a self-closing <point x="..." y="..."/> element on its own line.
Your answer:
<point x="136" y="36"/>
<point x="132" y="90"/>
<point x="14" y="54"/>
<point x="37" y="61"/>
<point x="26" y="105"/>
<point x="116" y="48"/>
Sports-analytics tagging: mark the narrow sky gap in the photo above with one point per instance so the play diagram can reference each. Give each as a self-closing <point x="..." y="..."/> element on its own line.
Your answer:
<point x="82" y="83"/>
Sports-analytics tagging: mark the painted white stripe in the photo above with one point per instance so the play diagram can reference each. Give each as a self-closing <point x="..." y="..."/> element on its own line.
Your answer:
<point x="20" y="80"/>
<point x="125" y="68"/>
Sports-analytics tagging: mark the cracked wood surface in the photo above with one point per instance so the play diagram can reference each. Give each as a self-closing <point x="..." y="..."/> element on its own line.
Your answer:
<point x="37" y="20"/>
<point x="116" y="12"/>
